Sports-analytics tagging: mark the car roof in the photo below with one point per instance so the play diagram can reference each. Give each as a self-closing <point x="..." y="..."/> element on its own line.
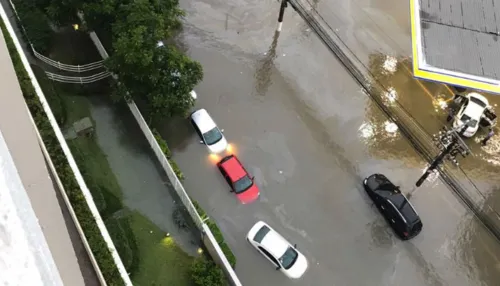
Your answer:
<point x="275" y="243"/>
<point x="234" y="168"/>
<point x="203" y="120"/>
<point x="405" y="207"/>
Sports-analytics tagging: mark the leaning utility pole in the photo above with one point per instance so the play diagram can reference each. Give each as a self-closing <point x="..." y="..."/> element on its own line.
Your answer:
<point x="451" y="144"/>
<point x="281" y="14"/>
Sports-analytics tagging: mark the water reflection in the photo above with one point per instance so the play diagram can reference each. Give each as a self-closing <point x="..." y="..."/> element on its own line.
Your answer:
<point x="426" y="102"/>
<point x="478" y="251"/>
<point x="265" y="66"/>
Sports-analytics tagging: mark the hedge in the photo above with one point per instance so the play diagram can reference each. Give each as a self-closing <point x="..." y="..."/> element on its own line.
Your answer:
<point x="217" y="234"/>
<point x="92" y="233"/>
<point x="210" y="223"/>
<point x="164" y="148"/>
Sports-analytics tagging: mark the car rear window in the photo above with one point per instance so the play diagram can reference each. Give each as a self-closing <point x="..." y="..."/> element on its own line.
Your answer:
<point x="416" y="227"/>
<point x="242" y="184"/>
<point x="259" y="236"/>
<point x="408" y="212"/>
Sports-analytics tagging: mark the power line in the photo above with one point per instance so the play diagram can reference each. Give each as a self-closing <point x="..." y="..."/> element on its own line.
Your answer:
<point x="375" y="90"/>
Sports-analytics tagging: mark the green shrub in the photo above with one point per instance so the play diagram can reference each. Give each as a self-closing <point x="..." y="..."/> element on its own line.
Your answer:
<point x="164" y="148"/>
<point x="85" y="217"/>
<point x="176" y="169"/>
<point x="36" y="25"/>
<point x="215" y="231"/>
<point x="228" y="253"/>
<point x="206" y="273"/>
<point x="219" y="237"/>
<point x="123" y="238"/>
<point x="163" y="145"/>
<point x="199" y="210"/>
<point x="56" y="102"/>
<point x="113" y="203"/>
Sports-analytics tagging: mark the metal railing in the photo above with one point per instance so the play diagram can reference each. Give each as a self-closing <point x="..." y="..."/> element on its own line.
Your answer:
<point x="77" y="79"/>
<point x="66" y="67"/>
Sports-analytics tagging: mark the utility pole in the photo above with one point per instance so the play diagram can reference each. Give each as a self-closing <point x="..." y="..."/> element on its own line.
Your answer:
<point x="281" y="14"/>
<point x="451" y="144"/>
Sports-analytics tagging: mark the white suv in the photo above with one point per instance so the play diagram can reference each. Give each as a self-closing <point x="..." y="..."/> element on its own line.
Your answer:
<point x="276" y="249"/>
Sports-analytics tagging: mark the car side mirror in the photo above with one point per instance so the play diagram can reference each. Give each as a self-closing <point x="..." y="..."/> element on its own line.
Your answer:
<point x="278" y="268"/>
<point x="253" y="178"/>
<point x="222" y="130"/>
<point x="295" y="245"/>
<point x="201" y="142"/>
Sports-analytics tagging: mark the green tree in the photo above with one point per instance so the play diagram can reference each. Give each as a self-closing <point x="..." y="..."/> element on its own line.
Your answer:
<point x="161" y="76"/>
<point x="205" y="273"/>
<point x="35" y="23"/>
<point x="165" y="84"/>
<point x="143" y="23"/>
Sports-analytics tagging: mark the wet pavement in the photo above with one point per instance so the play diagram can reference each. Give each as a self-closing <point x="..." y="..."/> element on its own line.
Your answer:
<point x="144" y="185"/>
<point x="302" y="126"/>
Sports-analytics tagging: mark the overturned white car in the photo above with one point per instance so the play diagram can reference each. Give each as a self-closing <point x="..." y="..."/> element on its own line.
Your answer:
<point x="474" y="110"/>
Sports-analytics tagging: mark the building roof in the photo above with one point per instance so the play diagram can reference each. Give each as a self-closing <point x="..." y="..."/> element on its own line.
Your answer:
<point x="457" y="42"/>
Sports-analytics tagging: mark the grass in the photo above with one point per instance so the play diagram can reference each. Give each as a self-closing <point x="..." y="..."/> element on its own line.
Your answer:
<point x="164" y="263"/>
<point x="151" y="258"/>
<point x="77" y="108"/>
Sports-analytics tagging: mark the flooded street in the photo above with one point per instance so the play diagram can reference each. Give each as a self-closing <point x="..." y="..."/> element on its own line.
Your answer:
<point x="143" y="183"/>
<point x="304" y="128"/>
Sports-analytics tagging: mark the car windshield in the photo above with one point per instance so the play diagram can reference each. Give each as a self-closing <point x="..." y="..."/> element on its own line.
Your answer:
<point x="478" y="101"/>
<point x="242" y="184"/>
<point x="289" y="258"/>
<point x="213" y="136"/>
<point x="466" y="118"/>
<point x="259" y="236"/>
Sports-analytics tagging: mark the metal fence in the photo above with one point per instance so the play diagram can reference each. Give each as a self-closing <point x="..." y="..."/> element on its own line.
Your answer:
<point x="66" y="67"/>
<point x="77" y="79"/>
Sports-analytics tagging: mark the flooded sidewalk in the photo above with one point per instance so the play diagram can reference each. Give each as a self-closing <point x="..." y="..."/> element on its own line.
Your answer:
<point x="144" y="185"/>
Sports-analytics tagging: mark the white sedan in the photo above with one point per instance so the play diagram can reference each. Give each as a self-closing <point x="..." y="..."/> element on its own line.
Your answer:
<point x="471" y="111"/>
<point x="276" y="249"/>
<point x="208" y="131"/>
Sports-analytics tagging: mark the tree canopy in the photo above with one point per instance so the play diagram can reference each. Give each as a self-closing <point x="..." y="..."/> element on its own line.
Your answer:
<point x="162" y="77"/>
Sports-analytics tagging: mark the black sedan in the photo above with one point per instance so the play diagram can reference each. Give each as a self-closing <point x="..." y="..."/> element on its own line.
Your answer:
<point x="393" y="205"/>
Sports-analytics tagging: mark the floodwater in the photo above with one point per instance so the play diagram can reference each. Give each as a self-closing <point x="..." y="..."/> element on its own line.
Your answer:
<point x="304" y="128"/>
<point x="144" y="185"/>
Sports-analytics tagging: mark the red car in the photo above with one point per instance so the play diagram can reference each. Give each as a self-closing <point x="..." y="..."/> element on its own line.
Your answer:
<point x="242" y="184"/>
